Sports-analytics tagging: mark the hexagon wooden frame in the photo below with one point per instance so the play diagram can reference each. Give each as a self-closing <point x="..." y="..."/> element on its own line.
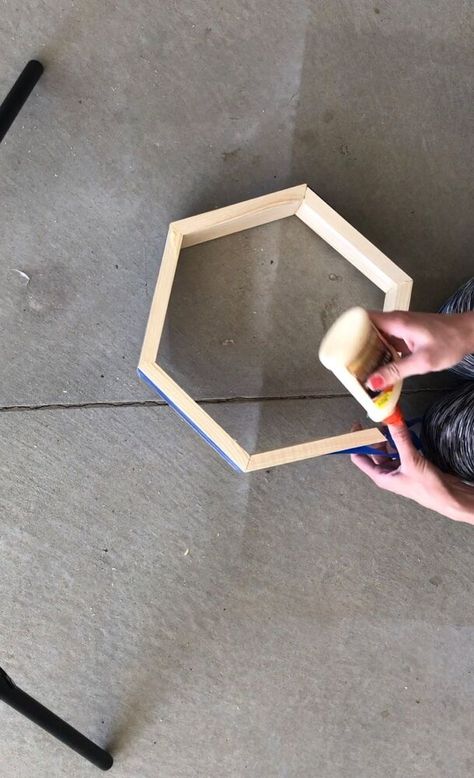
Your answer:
<point x="298" y="201"/>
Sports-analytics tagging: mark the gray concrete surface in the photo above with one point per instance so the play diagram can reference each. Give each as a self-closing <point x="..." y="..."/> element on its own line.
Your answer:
<point x="317" y="627"/>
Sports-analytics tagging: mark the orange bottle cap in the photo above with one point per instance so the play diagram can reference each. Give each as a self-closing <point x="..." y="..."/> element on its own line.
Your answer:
<point x="396" y="418"/>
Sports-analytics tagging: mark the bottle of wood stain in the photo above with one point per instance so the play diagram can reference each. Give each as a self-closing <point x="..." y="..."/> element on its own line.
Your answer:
<point x="353" y="348"/>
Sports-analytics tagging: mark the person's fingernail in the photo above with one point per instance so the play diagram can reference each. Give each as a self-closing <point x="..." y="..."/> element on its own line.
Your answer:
<point x="376" y="382"/>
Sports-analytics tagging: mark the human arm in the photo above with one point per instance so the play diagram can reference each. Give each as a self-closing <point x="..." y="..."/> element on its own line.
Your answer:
<point x="428" y="342"/>
<point x="416" y="478"/>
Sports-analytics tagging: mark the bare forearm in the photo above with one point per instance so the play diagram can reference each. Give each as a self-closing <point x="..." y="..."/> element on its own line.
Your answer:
<point x="461" y="504"/>
<point x="468" y="327"/>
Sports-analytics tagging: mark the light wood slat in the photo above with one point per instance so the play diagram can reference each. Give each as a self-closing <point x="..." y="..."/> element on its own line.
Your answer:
<point x="314" y="448"/>
<point x="241" y="216"/>
<point x="191" y="412"/>
<point x="398" y="297"/>
<point x="161" y="297"/>
<point x="359" y="251"/>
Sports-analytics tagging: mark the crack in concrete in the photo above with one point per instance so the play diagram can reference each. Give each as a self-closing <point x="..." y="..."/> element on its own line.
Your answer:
<point x="202" y="401"/>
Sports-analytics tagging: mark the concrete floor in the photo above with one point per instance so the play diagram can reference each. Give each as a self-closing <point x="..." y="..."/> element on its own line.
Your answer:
<point x="317" y="628"/>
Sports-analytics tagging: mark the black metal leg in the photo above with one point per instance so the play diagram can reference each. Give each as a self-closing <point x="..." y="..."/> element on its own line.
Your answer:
<point x="44" y="718"/>
<point x="18" y="95"/>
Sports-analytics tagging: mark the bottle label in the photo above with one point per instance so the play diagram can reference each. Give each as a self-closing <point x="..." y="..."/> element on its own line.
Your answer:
<point x="382" y="397"/>
<point x="375" y="353"/>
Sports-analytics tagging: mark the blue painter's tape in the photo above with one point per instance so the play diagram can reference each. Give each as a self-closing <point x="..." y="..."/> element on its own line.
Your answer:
<point x="367" y="450"/>
<point x="189" y="421"/>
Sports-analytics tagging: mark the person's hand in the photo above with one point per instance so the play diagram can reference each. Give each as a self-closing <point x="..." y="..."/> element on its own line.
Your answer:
<point x="428" y="342"/>
<point x="414" y="477"/>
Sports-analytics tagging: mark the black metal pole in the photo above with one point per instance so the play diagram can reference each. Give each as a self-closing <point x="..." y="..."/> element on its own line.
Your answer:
<point x="44" y="718"/>
<point x="18" y="95"/>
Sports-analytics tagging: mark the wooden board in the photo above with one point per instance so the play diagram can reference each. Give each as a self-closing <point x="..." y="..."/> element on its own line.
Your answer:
<point x="241" y="216"/>
<point x="161" y="297"/>
<point x="398" y="297"/>
<point x="359" y="251"/>
<point x="315" y="448"/>
<point x="194" y="415"/>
